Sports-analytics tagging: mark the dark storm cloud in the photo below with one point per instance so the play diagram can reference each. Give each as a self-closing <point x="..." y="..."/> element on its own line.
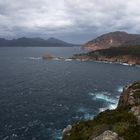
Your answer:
<point x="75" y="21"/>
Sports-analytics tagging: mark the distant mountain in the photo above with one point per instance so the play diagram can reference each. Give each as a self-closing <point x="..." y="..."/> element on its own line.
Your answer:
<point x="26" y="42"/>
<point x="113" y="39"/>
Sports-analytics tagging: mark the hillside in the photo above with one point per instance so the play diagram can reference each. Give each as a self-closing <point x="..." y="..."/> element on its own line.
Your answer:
<point x="113" y="39"/>
<point x="25" y="42"/>
<point x="123" y="123"/>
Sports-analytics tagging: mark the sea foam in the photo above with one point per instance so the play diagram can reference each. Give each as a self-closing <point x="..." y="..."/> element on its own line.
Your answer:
<point x="103" y="96"/>
<point x="34" y="58"/>
<point x="120" y="89"/>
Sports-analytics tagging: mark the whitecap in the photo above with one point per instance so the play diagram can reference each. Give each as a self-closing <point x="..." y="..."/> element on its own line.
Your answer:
<point x="56" y="59"/>
<point x="120" y="89"/>
<point x="112" y="106"/>
<point x="35" y="58"/>
<point x="125" y="64"/>
<point x="68" y="59"/>
<point x="103" y="109"/>
<point x="104" y="97"/>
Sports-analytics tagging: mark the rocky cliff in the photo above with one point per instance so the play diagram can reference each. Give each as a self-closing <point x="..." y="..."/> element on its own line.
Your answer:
<point x="123" y="123"/>
<point x="113" y="39"/>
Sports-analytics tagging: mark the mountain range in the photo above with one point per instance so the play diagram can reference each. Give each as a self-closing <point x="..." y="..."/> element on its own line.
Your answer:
<point x="26" y="42"/>
<point x="113" y="39"/>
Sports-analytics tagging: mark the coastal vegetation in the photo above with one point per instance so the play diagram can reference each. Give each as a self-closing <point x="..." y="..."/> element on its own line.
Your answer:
<point x="124" y="54"/>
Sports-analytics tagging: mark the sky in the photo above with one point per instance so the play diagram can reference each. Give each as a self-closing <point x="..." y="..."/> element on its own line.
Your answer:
<point x="75" y="21"/>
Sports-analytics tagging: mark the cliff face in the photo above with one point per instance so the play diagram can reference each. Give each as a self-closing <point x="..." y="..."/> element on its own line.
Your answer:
<point x="113" y="39"/>
<point x="123" y="123"/>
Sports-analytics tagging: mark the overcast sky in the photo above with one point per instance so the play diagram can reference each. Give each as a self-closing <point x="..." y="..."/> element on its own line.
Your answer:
<point x="70" y="20"/>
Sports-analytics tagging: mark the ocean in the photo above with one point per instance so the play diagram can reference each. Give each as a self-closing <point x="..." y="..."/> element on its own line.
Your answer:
<point x="39" y="98"/>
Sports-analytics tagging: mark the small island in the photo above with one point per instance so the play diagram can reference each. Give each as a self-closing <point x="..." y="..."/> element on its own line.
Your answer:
<point x="123" y="123"/>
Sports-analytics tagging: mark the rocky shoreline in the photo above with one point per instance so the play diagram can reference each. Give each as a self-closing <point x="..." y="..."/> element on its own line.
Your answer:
<point x="123" y="123"/>
<point x="118" y="60"/>
<point x="127" y="54"/>
<point x="84" y="58"/>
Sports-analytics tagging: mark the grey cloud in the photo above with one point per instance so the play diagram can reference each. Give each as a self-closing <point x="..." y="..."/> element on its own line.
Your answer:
<point x="75" y="21"/>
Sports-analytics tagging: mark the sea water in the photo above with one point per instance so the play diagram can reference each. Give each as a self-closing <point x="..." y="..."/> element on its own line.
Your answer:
<point x="39" y="98"/>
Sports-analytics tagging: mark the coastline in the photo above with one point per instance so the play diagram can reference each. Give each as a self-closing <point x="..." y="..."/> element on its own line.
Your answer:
<point x="87" y="59"/>
<point x="117" y="124"/>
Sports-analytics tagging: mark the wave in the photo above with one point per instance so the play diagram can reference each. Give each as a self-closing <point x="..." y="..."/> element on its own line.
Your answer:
<point x="35" y="58"/>
<point x="103" y="109"/>
<point x="120" y="89"/>
<point x="125" y="64"/>
<point x="68" y="59"/>
<point x="110" y="106"/>
<point x="105" y="96"/>
<point x="56" y="58"/>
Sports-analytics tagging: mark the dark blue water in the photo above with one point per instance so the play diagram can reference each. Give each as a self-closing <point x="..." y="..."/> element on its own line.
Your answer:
<point x="39" y="98"/>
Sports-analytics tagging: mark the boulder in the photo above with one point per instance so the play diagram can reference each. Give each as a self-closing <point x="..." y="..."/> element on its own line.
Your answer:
<point x="108" y="135"/>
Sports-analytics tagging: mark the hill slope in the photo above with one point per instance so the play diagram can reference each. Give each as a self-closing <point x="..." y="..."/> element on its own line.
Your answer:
<point x="113" y="39"/>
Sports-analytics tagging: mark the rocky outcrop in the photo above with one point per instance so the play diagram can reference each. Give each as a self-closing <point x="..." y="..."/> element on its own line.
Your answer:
<point x="131" y="97"/>
<point x="123" y="123"/>
<point x="48" y="56"/>
<point x="136" y="111"/>
<point x="113" y="39"/>
<point x="108" y="135"/>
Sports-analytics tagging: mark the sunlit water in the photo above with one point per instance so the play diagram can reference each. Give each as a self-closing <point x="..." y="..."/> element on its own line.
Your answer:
<point x="38" y="98"/>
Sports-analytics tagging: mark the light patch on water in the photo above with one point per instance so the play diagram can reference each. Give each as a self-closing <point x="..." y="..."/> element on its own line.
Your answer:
<point x="138" y="66"/>
<point x="88" y="116"/>
<point x="82" y="109"/>
<point x="57" y="134"/>
<point x="86" y="113"/>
